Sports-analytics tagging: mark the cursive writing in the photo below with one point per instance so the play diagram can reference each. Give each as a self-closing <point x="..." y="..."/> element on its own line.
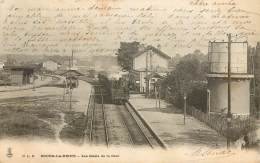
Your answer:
<point x="99" y="27"/>
<point x="202" y="152"/>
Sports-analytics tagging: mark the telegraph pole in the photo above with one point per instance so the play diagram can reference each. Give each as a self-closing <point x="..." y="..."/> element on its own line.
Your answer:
<point x="146" y="75"/>
<point x="229" y="92"/>
<point x="70" y="82"/>
<point x="102" y="99"/>
<point x="70" y="95"/>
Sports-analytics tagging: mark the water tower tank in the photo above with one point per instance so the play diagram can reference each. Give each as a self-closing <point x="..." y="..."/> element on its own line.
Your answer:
<point x="218" y="57"/>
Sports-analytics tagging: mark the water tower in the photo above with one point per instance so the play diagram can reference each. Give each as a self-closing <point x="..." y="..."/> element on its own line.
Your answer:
<point x="257" y="77"/>
<point x="218" y="78"/>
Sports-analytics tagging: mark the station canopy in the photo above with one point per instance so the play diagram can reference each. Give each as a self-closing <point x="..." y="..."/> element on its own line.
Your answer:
<point x="72" y="74"/>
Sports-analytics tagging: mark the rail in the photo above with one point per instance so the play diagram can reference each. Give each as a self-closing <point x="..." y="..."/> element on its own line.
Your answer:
<point x="104" y="117"/>
<point x="140" y="128"/>
<point x="90" y="119"/>
<point x="87" y="112"/>
<point x="155" y="136"/>
<point x="128" y="132"/>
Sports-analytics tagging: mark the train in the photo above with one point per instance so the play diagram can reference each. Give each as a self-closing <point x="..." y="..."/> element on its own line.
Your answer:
<point x="116" y="89"/>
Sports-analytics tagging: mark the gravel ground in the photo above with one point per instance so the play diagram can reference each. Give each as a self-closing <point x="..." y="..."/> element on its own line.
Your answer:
<point x="117" y="131"/>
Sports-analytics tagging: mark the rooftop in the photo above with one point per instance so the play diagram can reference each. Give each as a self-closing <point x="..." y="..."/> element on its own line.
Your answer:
<point x="23" y="67"/>
<point x="156" y="50"/>
<point x="71" y="73"/>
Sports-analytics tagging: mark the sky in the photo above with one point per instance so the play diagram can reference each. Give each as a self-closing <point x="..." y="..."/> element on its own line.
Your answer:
<point x="96" y="27"/>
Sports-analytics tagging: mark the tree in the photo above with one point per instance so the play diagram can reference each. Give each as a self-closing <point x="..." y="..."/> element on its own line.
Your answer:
<point x="189" y="76"/>
<point x="190" y="71"/>
<point x="125" y="54"/>
<point x="174" y="61"/>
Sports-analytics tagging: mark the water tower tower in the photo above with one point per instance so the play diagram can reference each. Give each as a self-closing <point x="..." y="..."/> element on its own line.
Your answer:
<point x="218" y="78"/>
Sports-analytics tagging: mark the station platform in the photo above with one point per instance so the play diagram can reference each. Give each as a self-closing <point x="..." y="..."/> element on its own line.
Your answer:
<point x="168" y="123"/>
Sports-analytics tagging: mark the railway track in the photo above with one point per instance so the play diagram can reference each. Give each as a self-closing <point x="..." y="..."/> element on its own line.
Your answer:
<point x="145" y="135"/>
<point x="154" y="138"/>
<point x="136" y="134"/>
<point x="117" y="129"/>
<point x="128" y="128"/>
<point x="95" y="121"/>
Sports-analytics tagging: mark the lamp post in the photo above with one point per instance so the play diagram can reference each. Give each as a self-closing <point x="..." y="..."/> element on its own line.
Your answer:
<point x="208" y="101"/>
<point x="159" y="94"/>
<point x="146" y="76"/>
<point x="185" y="105"/>
<point x="70" y="94"/>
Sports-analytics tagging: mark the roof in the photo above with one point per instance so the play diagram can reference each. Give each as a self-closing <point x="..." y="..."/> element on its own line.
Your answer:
<point x="72" y="73"/>
<point x="155" y="69"/>
<point x="13" y="67"/>
<point x="155" y="50"/>
<point x="51" y="60"/>
<point x="154" y="75"/>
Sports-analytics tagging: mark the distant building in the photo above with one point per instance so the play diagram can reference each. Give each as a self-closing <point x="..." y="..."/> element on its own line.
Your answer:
<point x="148" y="61"/>
<point x="21" y="75"/>
<point x="71" y="72"/>
<point x="4" y="77"/>
<point x="50" y="65"/>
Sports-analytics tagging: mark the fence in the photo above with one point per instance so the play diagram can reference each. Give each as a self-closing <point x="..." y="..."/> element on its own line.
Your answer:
<point x="90" y="102"/>
<point x="240" y="124"/>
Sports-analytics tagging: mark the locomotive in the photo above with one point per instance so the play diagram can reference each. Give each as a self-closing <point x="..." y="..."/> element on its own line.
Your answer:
<point x="117" y="91"/>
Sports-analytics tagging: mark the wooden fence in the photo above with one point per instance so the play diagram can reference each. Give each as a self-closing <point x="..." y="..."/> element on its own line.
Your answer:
<point x="240" y="124"/>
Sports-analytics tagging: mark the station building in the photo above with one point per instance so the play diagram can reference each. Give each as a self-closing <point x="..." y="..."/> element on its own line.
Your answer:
<point x="21" y="75"/>
<point x="148" y="62"/>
